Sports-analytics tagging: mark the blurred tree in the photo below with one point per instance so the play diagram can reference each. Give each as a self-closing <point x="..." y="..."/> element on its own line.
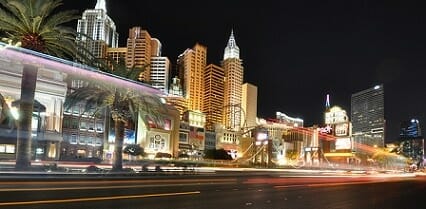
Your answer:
<point x="122" y="104"/>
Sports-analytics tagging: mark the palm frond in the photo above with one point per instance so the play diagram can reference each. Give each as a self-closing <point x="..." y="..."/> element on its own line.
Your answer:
<point x="27" y="20"/>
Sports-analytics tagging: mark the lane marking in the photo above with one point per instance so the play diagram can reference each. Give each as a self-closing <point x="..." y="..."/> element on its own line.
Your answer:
<point x="98" y="198"/>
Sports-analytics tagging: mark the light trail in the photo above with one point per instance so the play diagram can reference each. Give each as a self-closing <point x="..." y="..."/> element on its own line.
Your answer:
<point x="41" y="182"/>
<point x="108" y="187"/>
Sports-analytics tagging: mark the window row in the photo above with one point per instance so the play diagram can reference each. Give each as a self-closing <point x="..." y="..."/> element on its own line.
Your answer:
<point x="83" y="140"/>
<point x="76" y="123"/>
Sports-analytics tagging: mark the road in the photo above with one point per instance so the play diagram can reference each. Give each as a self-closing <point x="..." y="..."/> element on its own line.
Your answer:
<point x="245" y="190"/>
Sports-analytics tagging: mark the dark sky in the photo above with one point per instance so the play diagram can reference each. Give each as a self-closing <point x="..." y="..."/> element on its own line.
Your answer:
<point x="296" y="52"/>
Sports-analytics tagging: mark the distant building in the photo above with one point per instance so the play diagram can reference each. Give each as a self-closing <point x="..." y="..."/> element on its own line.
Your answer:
<point x="175" y="96"/>
<point x="191" y="64"/>
<point x="139" y="52"/>
<point x="196" y="137"/>
<point x="249" y="105"/>
<point x="368" y="117"/>
<point x="410" y="129"/>
<point x="338" y="127"/>
<point x="159" y="76"/>
<point x="290" y="121"/>
<point x="115" y="54"/>
<point x="234" y="74"/>
<point x="213" y="95"/>
<point x="412" y="143"/>
<point x="99" y="30"/>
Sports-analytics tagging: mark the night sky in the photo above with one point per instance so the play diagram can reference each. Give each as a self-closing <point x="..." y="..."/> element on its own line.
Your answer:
<point x="296" y="52"/>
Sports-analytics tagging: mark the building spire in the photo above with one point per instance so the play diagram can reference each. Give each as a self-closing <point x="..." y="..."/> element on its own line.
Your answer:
<point x="327" y="102"/>
<point x="101" y="4"/>
<point x="231" y="49"/>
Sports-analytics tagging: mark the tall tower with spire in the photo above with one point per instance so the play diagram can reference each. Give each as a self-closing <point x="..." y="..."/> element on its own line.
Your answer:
<point x="96" y="30"/>
<point x="327" y="103"/>
<point x="234" y="72"/>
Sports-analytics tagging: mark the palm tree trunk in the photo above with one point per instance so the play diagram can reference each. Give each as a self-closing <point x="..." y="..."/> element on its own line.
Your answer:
<point x="107" y="126"/>
<point x="24" y="138"/>
<point x="118" y="145"/>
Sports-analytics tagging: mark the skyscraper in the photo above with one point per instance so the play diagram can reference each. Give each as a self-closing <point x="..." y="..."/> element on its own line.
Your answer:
<point x="159" y="76"/>
<point x="160" y="67"/>
<point x="139" y="51"/>
<point x="191" y="65"/>
<point x="368" y="118"/>
<point x="234" y="72"/>
<point x="213" y="95"/>
<point x="410" y="129"/>
<point x="412" y="143"/>
<point x="97" y="30"/>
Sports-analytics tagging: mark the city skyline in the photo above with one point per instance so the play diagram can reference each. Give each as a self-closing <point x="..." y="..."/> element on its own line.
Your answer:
<point x="296" y="53"/>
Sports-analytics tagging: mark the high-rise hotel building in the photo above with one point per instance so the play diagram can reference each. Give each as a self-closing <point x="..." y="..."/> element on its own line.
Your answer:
<point x="191" y="64"/>
<point x="213" y="95"/>
<point x="98" y="29"/>
<point x="139" y="52"/>
<point x="232" y="64"/>
<point x="160" y="67"/>
<point x="368" y="117"/>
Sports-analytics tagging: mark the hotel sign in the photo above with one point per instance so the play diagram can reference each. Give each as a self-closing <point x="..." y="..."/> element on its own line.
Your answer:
<point x="341" y="129"/>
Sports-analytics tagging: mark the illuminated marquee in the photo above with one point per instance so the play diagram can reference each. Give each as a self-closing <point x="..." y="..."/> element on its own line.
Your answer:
<point x="336" y="115"/>
<point x="326" y="130"/>
<point x="341" y="129"/>
<point x="343" y="143"/>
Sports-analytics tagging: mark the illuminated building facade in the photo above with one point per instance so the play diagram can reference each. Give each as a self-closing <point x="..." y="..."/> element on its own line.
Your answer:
<point x="367" y="116"/>
<point x="196" y="121"/>
<point x="286" y="138"/>
<point x="160" y="67"/>
<point x="213" y="95"/>
<point x="47" y="114"/>
<point x="249" y="105"/>
<point x="226" y="139"/>
<point x="234" y="72"/>
<point x="191" y="64"/>
<point x="412" y="144"/>
<point x="117" y="53"/>
<point x="339" y="147"/>
<point x="159" y="76"/>
<point x="410" y="130"/>
<point x="139" y="52"/>
<point x="99" y="30"/>
<point x="175" y="96"/>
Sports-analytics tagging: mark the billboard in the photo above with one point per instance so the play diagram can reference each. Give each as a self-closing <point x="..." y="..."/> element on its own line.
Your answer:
<point x="343" y="143"/>
<point x="129" y="136"/>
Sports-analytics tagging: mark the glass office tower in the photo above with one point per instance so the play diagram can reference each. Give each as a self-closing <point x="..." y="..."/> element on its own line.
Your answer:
<point x="368" y="118"/>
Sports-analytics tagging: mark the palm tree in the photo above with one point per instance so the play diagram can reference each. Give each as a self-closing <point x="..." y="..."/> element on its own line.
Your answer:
<point x="123" y="104"/>
<point x="35" y="25"/>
